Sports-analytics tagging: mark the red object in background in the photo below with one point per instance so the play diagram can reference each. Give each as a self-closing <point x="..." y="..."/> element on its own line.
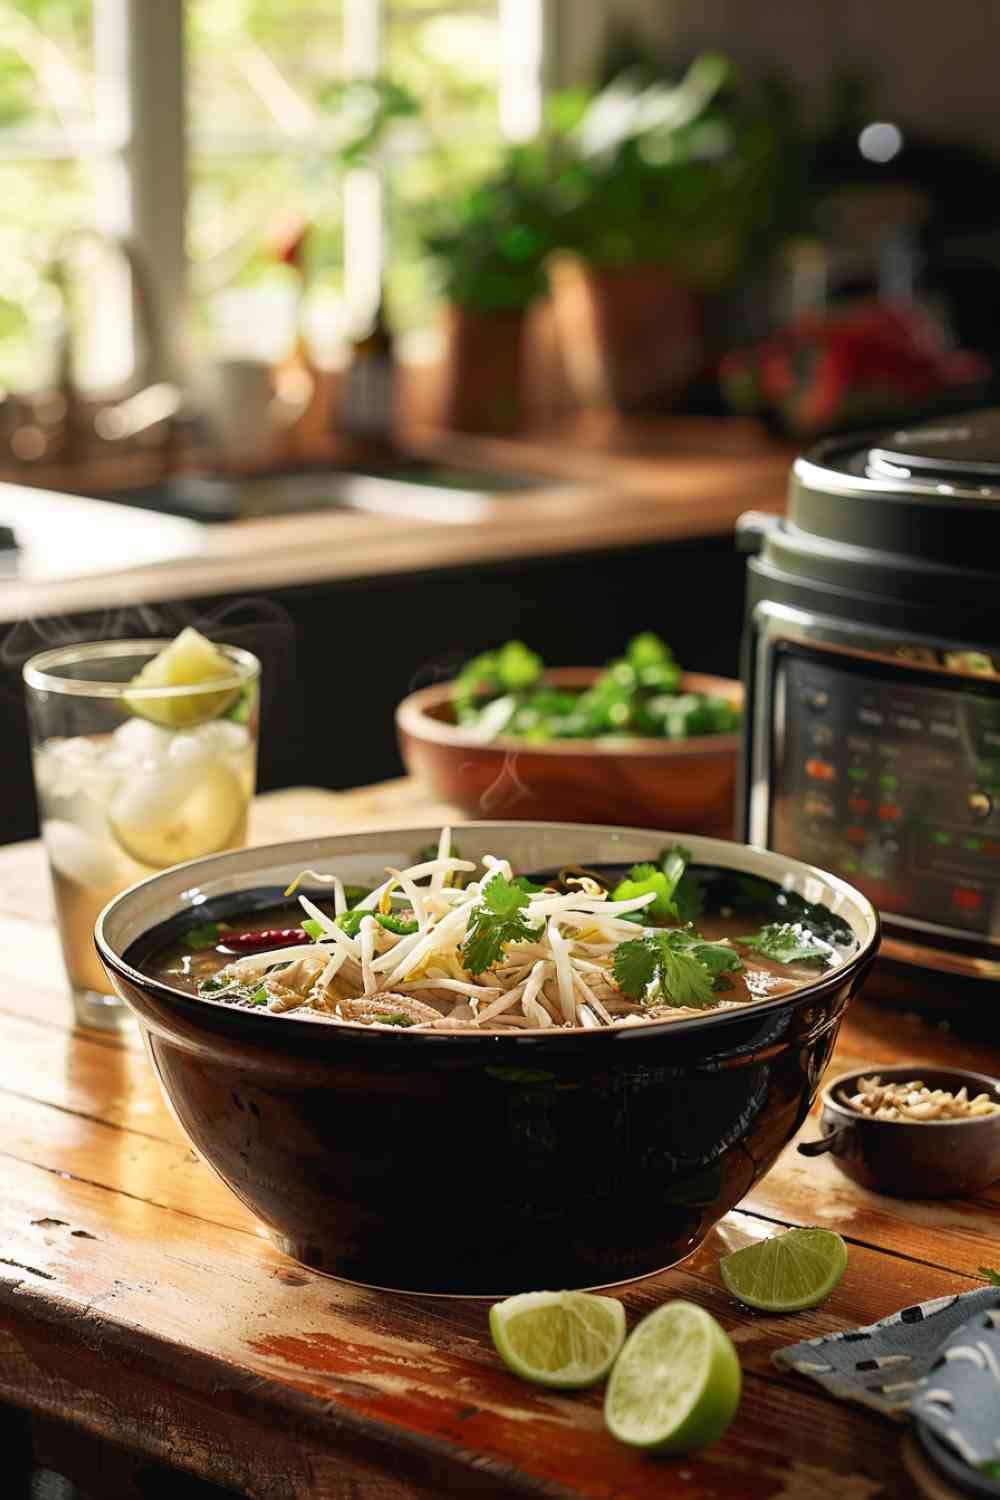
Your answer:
<point x="847" y="366"/>
<point x="966" y="899"/>
<point x="856" y="835"/>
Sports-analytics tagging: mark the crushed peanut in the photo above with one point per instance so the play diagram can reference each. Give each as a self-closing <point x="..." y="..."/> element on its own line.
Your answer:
<point x="915" y="1102"/>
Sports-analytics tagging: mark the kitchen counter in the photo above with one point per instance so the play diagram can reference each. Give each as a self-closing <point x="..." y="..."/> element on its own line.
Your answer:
<point x="618" y="484"/>
<point x="141" y="1304"/>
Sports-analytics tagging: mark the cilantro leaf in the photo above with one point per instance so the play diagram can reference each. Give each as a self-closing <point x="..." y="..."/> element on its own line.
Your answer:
<point x="683" y="968"/>
<point x="989" y="1274"/>
<point x="635" y="966"/>
<point x="259" y="997"/>
<point x="684" y="980"/>
<point x="313" y="928"/>
<point x="496" y="921"/>
<point x="396" y="1018"/>
<point x="206" y="935"/>
<point x="788" y="943"/>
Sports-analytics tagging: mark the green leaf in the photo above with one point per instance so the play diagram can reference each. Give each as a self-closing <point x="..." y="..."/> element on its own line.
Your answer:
<point x="788" y="943"/>
<point x="396" y="1018"/>
<point x="496" y="922"/>
<point x="684" y="967"/>
<point x="313" y="928"/>
<point x="207" y="935"/>
<point x="636" y="963"/>
<point x="988" y="1274"/>
<point x="684" y="980"/>
<point x="259" y="997"/>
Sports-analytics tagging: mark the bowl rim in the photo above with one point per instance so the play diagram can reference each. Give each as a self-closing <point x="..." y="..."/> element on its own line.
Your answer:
<point x="414" y="719"/>
<point x="844" y="1111"/>
<point x="531" y="1036"/>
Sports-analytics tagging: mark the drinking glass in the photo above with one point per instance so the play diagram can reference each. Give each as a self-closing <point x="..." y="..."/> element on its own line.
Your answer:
<point x="131" y="780"/>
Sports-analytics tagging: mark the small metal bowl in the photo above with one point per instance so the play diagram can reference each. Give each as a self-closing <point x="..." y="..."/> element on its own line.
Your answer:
<point x="911" y="1159"/>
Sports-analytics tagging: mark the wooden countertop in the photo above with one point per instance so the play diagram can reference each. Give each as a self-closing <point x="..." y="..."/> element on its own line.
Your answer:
<point x="620" y="484"/>
<point x="139" y="1299"/>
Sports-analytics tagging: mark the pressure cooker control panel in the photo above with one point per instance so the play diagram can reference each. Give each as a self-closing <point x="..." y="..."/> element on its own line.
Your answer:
<point x="893" y="783"/>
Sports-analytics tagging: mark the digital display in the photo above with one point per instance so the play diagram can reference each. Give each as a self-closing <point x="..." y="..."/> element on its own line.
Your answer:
<point x="895" y="784"/>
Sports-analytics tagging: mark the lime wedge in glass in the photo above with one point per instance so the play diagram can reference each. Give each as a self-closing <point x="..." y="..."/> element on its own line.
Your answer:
<point x="171" y="813"/>
<point x="189" y="661"/>
<point x="563" y="1339"/>
<point x="676" y="1384"/>
<point x="788" y="1272"/>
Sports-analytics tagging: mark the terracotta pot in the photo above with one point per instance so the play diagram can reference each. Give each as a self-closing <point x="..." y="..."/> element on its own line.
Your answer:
<point x="647" y="326"/>
<point x="680" y="784"/>
<point x="482" y="386"/>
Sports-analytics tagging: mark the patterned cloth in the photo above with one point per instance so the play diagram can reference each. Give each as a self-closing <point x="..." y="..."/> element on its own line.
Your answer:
<point x="938" y="1361"/>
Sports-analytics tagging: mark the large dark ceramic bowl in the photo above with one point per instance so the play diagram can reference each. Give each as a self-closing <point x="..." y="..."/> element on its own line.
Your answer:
<point x="452" y="1163"/>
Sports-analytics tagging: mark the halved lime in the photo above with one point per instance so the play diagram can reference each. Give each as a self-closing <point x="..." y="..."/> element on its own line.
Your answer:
<point x="189" y="660"/>
<point x="166" y="815"/>
<point x="676" y="1384"/>
<point x="564" y="1339"/>
<point x="788" y="1272"/>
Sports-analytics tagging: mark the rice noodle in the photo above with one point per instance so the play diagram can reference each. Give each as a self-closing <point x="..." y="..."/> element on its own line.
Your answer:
<point x="548" y="955"/>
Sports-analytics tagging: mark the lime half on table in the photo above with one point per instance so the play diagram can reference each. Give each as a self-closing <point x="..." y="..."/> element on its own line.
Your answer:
<point x="562" y="1339"/>
<point x="787" y="1273"/>
<point x="189" y="661"/>
<point x="676" y="1384"/>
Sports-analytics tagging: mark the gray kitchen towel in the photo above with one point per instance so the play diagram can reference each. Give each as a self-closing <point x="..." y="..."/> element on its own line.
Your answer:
<point x="907" y="1363"/>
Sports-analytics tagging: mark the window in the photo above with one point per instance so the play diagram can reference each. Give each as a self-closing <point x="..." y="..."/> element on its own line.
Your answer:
<point x="134" y="116"/>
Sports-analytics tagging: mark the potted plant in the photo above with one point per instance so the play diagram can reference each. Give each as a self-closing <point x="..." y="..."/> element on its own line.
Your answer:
<point x="489" y="246"/>
<point x="662" y="191"/>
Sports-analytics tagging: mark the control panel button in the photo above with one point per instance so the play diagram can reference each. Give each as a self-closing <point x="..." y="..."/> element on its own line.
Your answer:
<point x="820" y="770"/>
<point x="859" y="805"/>
<point x="980" y="804"/>
<point x="964" y="898"/>
<point x="855" y="835"/>
<point x="890" y="812"/>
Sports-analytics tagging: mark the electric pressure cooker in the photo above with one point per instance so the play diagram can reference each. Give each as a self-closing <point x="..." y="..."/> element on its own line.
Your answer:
<point x="872" y="672"/>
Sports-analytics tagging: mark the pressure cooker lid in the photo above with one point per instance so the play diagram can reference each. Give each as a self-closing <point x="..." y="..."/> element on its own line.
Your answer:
<point x="891" y="512"/>
<point x="964" y="449"/>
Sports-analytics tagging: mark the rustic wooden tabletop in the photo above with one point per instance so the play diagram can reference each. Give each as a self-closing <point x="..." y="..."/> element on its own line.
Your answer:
<point x="141" y="1302"/>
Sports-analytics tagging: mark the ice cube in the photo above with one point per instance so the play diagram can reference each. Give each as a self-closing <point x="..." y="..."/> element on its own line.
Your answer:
<point x="81" y="856"/>
<point x="69" y="768"/>
<point x="138" y="742"/>
<point x="223" y="735"/>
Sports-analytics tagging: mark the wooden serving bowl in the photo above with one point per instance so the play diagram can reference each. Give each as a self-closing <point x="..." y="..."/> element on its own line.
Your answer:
<point x="678" y="784"/>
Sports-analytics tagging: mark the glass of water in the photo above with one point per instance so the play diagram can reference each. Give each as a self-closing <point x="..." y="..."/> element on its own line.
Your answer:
<point x="131" y="780"/>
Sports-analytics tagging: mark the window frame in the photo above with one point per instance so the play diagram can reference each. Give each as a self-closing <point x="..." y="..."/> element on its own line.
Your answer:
<point x="140" y="146"/>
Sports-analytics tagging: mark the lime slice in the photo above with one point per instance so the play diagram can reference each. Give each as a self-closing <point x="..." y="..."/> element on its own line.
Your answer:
<point x="676" y="1385"/>
<point x="186" y="662"/>
<point x="565" y="1339"/>
<point x="166" y="815"/>
<point x="788" y="1272"/>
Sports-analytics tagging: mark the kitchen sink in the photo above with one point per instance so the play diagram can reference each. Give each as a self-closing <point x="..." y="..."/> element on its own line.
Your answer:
<point x="414" y="487"/>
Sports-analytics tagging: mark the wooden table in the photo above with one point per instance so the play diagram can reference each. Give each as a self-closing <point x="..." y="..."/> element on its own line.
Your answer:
<point x="140" y="1302"/>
